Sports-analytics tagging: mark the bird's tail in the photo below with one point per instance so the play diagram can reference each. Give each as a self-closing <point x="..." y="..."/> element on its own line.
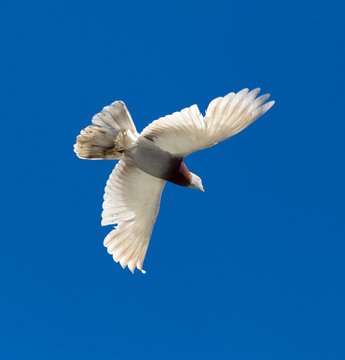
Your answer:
<point x="111" y="132"/>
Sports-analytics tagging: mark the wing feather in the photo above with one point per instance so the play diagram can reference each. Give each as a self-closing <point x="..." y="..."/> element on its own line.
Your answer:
<point x="131" y="201"/>
<point x="187" y="131"/>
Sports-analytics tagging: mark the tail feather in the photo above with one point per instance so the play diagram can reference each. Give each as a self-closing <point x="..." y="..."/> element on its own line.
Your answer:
<point x="115" y="117"/>
<point x="112" y="131"/>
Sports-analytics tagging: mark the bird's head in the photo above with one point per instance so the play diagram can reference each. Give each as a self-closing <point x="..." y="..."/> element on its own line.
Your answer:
<point x="196" y="183"/>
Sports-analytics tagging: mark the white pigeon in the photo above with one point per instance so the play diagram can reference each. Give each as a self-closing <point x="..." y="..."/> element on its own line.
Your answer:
<point x="149" y="159"/>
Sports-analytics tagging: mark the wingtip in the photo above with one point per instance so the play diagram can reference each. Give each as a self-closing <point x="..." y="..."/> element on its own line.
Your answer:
<point x="265" y="107"/>
<point x="270" y="104"/>
<point x="255" y="91"/>
<point x="243" y="91"/>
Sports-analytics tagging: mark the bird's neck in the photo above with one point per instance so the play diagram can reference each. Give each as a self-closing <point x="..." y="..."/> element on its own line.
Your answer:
<point x="181" y="175"/>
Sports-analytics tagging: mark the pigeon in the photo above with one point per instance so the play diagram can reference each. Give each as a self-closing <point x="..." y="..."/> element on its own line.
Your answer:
<point x="149" y="159"/>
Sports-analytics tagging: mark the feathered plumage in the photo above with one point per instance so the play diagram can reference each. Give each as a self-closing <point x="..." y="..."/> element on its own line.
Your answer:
<point x="149" y="159"/>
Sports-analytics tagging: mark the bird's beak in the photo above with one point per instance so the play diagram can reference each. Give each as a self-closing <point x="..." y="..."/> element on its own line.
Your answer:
<point x="202" y="189"/>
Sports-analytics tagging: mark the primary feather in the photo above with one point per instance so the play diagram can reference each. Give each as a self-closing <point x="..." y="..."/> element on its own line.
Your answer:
<point x="187" y="131"/>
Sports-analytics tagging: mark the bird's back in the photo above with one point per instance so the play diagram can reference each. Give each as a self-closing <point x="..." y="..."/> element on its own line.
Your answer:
<point x="150" y="158"/>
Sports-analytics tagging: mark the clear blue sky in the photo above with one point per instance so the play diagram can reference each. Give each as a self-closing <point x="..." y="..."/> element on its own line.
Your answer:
<point x="251" y="269"/>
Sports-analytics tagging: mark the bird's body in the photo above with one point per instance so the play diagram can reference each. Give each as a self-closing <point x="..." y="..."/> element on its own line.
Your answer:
<point x="149" y="159"/>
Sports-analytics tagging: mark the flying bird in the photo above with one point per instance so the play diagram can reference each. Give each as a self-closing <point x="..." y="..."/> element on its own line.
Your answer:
<point x="149" y="159"/>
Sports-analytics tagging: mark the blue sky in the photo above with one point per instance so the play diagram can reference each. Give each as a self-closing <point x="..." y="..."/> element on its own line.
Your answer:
<point x="251" y="269"/>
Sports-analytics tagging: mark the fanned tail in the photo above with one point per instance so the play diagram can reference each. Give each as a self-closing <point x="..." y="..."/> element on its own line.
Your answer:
<point x="111" y="132"/>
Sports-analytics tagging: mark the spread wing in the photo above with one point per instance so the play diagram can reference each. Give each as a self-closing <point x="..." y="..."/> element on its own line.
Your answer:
<point x="187" y="131"/>
<point x="131" y="200"/>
